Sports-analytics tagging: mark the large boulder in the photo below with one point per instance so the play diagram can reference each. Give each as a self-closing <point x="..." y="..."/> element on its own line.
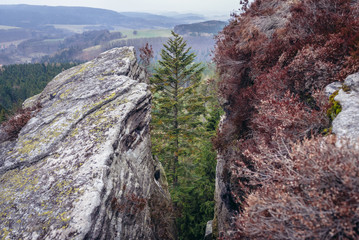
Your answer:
<point x="82" y="168"/>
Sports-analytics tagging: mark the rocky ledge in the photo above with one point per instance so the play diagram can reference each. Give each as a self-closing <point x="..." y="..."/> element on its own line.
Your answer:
<point x="82" y="168"/>
<point x="345" y="126"/>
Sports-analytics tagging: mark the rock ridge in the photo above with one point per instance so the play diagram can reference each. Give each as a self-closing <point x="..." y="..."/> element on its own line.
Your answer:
<point x="82" y="168"/>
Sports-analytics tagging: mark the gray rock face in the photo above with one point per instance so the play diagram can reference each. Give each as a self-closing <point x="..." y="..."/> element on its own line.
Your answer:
<point x="333" y="87"/>
<point x="82" y="166"/>
<point x="208" y="234"/>
<point x="346" y="124"/>
<point x="225" y="207"/>
<point x="269" y="23"/>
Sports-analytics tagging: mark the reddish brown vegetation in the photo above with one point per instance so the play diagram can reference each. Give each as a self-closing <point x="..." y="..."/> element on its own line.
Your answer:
<point x="311" y="191"/>
<point x="273" y="73"/>
<point x="146" y="54"/>
<point x="313" y="48"/>
<point x="13" y="126"/>
<point x="132" y="204"/>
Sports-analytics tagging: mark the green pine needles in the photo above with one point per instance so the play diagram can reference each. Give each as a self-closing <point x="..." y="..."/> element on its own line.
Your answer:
<point x="178" y="106"/>
<point x="184" y="118"/>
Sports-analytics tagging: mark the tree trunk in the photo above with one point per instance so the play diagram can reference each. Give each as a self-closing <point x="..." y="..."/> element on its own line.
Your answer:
<point x="175" y="157"/>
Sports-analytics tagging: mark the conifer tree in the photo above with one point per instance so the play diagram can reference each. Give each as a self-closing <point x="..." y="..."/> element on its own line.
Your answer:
<point x="177" y="106"/>
<point x="2" y="114"/>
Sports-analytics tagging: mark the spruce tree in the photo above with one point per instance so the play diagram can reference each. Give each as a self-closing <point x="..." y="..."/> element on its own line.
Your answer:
<point x="177" y="106"/>
<point x="2" y="114"/>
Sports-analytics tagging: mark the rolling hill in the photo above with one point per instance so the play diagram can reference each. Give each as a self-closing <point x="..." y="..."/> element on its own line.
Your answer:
<point x="33" y="16"/>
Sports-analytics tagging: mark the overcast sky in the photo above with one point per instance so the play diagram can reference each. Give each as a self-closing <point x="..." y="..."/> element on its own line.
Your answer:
<point x="153" y="6"/>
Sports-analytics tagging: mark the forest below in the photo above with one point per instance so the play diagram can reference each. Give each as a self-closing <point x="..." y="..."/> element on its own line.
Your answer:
<point x="19" y="82"/>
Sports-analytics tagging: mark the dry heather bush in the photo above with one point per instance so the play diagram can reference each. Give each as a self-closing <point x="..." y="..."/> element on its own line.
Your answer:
<point x="311" y="191"/>
<point x="278" y="121"/>
<point x="316" y="45"/>
<point x="287" y="118"/>
<point x="13" y="126"/>
<point x="146" y="54"/>
<point x="271" y="81"/>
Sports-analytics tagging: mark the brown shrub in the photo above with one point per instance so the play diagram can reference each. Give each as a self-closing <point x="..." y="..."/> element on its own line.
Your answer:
<point x="311" y="191"/>
<point x="316" y="45"/>
<point x="272" y="81"/>
<point x="14" y="124"/>
<point x="285" y="118"/>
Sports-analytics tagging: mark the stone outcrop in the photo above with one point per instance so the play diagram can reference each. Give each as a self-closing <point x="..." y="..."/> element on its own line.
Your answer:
<point x="225" y="206"/>
<point x="209" y="231"/>
<point x="82" y="168"/>
<point x="346" y="124"/>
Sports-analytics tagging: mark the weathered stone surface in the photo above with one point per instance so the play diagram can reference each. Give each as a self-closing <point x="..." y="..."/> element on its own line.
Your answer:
<point x="346" y="124"/>
<point x="225" y="207"/>
<point x="267" y="24"/>
<point x="208" y="234"/>
<point x="82" y="167"/>
<point x="333" y="87"/>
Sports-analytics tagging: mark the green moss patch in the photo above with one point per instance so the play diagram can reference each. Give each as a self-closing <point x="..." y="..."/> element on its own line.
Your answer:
<point x="335" y="107"/>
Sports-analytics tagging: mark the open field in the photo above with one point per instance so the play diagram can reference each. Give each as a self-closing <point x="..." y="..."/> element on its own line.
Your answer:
<point x="93" y="48"/>
<point x="142" y="33"/>
<point x="74" y="28"/>
<point x="129" y="33"/>
<point x="146" y="33"/>
<point x="2" y="27"/>
<point x="7" y="44"/>
<point x="53" y="40"/>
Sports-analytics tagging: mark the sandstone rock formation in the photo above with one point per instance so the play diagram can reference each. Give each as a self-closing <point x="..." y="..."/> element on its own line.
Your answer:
<point x="82" y="168"/>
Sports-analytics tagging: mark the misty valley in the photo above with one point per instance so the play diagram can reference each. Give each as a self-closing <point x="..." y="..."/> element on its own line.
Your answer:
<point x="37" y="34"/>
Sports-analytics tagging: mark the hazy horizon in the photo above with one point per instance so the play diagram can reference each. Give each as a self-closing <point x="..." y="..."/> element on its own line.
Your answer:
<point x="154" y="6"/>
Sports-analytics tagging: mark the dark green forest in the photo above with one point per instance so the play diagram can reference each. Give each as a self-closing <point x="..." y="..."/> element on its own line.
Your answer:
<point x="21" y="81"/>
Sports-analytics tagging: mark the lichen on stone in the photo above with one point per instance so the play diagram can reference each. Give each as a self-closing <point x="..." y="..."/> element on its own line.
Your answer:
<point x="76" y="154"/>
<point x="335" y="107"/>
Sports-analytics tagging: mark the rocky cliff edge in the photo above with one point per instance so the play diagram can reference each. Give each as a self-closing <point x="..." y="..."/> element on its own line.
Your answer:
<point x="81" y="168"/>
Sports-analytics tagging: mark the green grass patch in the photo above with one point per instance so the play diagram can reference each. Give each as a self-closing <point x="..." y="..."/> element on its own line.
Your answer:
<point x="335" y="107"/>
<point x="93" y="48"/>
<point x="53" y="40"/>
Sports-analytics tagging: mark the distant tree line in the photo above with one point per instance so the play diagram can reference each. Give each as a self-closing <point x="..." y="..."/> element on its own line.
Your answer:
<point x="21" y="81"/>
<point x="211" y="27"/>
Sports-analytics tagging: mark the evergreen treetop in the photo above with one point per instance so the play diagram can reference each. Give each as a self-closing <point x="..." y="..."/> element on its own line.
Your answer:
<point x="177" y="104"/>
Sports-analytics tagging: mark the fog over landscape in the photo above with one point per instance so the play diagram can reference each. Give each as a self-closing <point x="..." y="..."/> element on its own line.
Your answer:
<point x="157" y="6"/>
